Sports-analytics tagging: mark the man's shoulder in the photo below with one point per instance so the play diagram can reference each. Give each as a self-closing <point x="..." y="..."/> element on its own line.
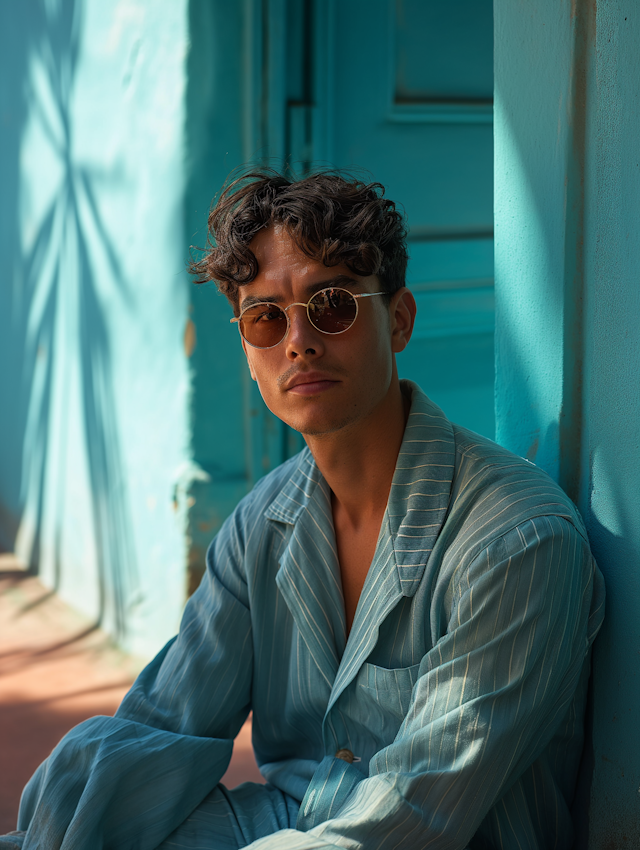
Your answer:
<point x="488" y="483"/>
<point x="251" y="518"/>
<point x="274" y="487"/>
<point x="491" y="481"/>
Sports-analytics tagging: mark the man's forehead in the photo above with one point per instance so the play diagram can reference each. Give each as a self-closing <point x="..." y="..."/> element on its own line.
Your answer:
<point x="251" y="294"/>
<point x="273" y="238"/>
<point x="282" y="263"/>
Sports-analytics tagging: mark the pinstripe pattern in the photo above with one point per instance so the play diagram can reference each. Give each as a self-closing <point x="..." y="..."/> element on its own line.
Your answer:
<point x="461" y="686"/>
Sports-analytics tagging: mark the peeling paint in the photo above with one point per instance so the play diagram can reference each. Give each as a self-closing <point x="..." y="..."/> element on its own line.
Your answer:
<point x="189" y="337"/>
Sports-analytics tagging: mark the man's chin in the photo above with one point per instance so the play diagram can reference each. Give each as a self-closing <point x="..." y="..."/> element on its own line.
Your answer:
<point x="316" y="428"/>
<point x="315" y="416"/>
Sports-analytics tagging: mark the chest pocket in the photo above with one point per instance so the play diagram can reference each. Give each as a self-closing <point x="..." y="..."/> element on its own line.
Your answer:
<point x="390" y="688"/>
<point x="381" y="699"/>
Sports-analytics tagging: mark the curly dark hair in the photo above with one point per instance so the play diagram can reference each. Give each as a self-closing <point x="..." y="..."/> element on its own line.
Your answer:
<point x="333" y="217"/>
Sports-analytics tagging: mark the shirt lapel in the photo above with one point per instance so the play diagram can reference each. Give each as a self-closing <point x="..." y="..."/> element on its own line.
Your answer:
<point x="380" y="593"/>
<point x="309" y="574"/>
<point x="417" y="507"/>
<point x="421" y="488"/>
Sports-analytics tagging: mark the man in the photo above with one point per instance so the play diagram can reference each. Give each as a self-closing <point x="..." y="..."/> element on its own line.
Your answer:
<point x="406" y="607"/>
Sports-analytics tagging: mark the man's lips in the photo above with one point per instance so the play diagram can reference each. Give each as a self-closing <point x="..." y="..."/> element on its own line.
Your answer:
<point x="310" y="383"/>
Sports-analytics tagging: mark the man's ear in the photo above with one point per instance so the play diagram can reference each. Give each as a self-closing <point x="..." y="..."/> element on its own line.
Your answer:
<point x="244" y="348"/>
<point x="402" y="312"/>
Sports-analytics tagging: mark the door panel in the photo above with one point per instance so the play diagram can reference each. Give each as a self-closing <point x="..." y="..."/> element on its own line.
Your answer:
<point x="444" y="51"/>
<point x="404" y="90"/>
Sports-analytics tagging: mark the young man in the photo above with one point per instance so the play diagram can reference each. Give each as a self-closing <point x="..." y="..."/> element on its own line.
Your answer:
<point x="406" y="607"/>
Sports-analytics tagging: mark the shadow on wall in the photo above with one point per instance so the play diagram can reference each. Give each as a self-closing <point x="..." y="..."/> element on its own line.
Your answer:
<point x="66" y="406"/>
<point x="609" y="516"/>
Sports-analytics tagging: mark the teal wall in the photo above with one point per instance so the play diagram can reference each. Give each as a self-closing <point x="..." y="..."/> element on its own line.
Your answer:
<point x="610" y="458"/>
<point x="567" y="205"/>
<point x="94" y="437"/>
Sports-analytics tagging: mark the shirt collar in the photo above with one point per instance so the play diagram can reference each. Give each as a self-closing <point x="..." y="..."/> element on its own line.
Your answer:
<point x="296" y="493"/>
<point x="420" y="490"/>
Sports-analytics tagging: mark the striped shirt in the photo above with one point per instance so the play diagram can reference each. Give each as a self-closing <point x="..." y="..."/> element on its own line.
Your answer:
<point x="460" y="688"/>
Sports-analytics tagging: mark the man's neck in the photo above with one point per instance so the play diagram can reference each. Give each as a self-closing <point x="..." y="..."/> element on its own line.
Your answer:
<point x="358" y="462"/>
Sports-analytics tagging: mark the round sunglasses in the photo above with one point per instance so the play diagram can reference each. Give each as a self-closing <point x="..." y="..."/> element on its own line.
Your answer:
<point x="330" y="311"/>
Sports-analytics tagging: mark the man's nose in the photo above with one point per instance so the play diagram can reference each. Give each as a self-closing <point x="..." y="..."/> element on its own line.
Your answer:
<point x="303" y="338"/>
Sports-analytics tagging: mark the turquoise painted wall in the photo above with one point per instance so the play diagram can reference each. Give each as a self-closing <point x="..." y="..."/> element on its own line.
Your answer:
<point x="219" y="58"/>
<point x="94" y="437"/>
<point x="567" y="205"/>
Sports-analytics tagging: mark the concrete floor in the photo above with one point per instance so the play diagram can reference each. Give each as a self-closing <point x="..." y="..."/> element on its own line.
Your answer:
<point x="55" y="671"/>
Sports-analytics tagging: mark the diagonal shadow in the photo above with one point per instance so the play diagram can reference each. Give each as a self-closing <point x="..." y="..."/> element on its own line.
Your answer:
<point x="66" y="320"/>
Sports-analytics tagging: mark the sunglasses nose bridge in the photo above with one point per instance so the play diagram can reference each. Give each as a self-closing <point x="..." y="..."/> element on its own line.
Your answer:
<point x="285" y="310"/>
<point x="305" y="320"/>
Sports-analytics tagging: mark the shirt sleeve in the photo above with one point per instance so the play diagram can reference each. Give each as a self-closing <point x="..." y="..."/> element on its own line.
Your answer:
<point x="131" y="779"/>
<point x="489" y="697"/>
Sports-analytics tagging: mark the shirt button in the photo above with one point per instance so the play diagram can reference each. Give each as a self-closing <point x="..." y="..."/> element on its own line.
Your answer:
<point x="345" y="755"/>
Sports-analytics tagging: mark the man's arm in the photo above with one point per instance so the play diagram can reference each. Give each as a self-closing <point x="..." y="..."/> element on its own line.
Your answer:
<point x="130" y="780"/>
<point x="490" y="696"/>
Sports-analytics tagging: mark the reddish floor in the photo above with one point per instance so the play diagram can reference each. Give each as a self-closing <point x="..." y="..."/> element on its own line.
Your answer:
<point x="55" y="671"/>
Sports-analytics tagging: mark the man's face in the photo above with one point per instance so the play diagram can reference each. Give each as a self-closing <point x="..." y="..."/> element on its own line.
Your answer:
<point x="319" y="383"/>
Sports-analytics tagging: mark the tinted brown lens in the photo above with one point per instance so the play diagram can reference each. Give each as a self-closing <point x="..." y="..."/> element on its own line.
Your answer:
<point x="263" y="325"/>
<point x="333" y="310"/>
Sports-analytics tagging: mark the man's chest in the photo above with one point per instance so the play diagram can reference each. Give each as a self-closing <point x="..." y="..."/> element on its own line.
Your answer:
<point x="355" y="548"/>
